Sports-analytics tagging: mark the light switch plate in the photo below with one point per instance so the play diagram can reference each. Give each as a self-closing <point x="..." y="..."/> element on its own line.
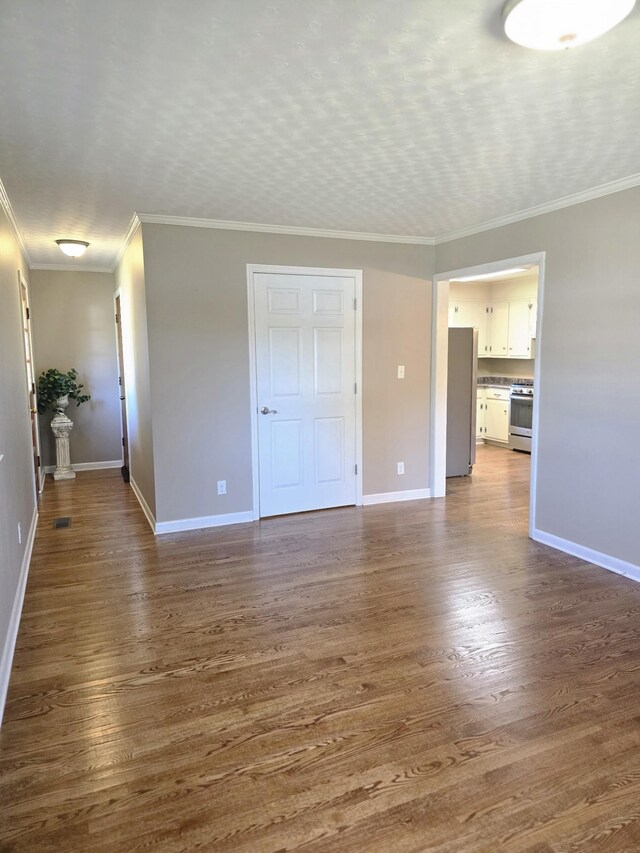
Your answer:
<point x="401" y="371"/>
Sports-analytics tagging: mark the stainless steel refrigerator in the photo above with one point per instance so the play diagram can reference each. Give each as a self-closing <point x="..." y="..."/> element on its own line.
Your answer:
<point x="462" y="392"/>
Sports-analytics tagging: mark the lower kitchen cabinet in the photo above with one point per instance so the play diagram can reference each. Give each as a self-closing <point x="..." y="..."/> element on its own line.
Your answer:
<point x="480" y="416"/>
<point x="496" y="420"/>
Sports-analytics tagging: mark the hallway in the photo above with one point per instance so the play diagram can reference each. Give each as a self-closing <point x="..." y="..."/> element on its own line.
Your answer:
<point x="401" y="677"/>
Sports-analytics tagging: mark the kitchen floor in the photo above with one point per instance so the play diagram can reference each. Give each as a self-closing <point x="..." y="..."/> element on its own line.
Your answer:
<point x="403" y="677"/>
<point x="507" y="459"/>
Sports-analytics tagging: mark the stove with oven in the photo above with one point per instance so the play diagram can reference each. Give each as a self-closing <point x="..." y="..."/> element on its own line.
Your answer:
<point x="521" y="416"/>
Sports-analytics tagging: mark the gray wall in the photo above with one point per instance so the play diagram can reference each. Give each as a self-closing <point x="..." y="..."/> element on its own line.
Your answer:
<point x="589" y="352"/>
<point x="196" y="294"/>
<point x="73" y="326"/>
<point x="16" y="466"/>
<point x="130" y="279"/>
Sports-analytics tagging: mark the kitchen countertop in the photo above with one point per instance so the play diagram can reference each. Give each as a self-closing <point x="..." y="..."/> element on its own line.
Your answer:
<point x="503" y="380"/>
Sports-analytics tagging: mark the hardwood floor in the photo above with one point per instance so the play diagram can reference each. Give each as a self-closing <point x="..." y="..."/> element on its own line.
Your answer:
<point x="408" y="677"/>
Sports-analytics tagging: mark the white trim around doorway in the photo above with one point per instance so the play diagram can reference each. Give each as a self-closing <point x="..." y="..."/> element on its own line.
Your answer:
<point x="40" y="478"/>
<point x="252" y="269"/>
<point x="120" y="369"/>
<point x="439" y="354"/>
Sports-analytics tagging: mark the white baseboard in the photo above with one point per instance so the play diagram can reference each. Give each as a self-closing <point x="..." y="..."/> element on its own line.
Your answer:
<point x="16" y="612"/>
<point x="605" y="561"/>
<point x="88" y="466"/>
<point x="145" y="507"/>
<point x="97" y="466"/>
<point x="203" y="521"/>
<point x="392" y="497"/>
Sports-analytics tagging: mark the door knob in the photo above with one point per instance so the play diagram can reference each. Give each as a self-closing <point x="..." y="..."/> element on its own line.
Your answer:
<point x="123" y="398"/>
<point x="265" y="410"/>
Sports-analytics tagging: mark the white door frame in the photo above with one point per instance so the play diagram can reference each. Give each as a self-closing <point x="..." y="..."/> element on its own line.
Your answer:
<point x="40" y="479"/>
<point x="252" y="269"/>
<point x="120" y="369"/>
<point x="439" y="353"/>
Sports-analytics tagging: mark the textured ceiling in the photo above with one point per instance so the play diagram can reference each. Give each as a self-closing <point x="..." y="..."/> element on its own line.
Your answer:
<point x="382" y="116"/>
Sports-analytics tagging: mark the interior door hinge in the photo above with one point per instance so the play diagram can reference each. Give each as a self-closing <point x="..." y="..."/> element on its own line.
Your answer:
<point x="117" y="321"/>
<point x="355" y="387"/>
<point x="123" y="441"/>
<point x="355" y="304"/>
<point x="120" y="380"/>
<point x="38" y="458"/>
<point x="356" y="469"/>
<point x="33" y="387"/>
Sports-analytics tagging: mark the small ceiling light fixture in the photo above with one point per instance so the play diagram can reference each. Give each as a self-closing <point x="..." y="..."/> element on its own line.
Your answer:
<point x="73" y="248"/>
<point x="559" y="24"/>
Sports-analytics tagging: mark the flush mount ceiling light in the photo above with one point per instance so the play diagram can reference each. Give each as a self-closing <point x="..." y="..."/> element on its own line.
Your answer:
<point x="559" y="24"/>
<point x="73" y="248"/>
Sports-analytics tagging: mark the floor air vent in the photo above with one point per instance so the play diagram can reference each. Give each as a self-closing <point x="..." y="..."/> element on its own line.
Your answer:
<point x="62" y="522"/>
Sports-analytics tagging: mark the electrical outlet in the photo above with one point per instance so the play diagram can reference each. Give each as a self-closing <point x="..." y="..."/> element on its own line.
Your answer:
<point x="19" y="533"/>
<point x="222" y="487"/>
<point x="401" y="371"/>
<point x="400" y="467"/>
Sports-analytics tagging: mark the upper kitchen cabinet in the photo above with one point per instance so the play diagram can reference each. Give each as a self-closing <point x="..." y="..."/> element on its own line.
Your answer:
<point x="533" y="316"/>
<point x="509" y="329"/>
<point x="520" y="328"/>
<point x="503" y="312"/>
<point x="471" y="314"/>
<point x="498" y="330"/>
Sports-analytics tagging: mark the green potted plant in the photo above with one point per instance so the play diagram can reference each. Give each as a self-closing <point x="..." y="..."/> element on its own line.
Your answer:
<point x="55" y="389"/>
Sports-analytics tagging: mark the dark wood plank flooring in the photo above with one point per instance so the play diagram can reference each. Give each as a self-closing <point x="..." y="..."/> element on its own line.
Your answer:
<point x="408" y="677"/>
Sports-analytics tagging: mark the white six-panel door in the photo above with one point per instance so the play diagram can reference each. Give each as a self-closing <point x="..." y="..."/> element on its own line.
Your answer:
<point x="305" y="352"/>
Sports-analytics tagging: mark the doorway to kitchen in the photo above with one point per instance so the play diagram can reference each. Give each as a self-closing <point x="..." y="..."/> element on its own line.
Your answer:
<point x="498" y="306"/>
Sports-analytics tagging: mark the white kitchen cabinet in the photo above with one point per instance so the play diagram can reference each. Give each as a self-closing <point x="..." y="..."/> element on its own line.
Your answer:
<point x="472" y="314"/>
<point x="533" y="316"/>
<point x="509" y="328"/>
<point x="505" y="326"/>
<point x="459" y="313"/>
<point x="498" y="330"/>
<point x="480" y="416"/>
<point x="496" y="418"/>
<point x="520" y="328"/>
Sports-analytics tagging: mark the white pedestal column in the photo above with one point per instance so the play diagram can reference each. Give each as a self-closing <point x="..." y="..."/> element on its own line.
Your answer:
<point x="62" y="426"/>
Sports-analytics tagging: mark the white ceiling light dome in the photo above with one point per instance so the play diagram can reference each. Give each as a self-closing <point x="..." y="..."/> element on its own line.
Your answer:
<point x="73" y="248"/>
<point x="560" y="24"/>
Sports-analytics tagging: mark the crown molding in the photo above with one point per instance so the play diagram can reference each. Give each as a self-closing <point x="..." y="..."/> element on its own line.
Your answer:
<point x="227" y="225"/>
<point x="128" y="237"/>
<point x="69" y="268"/>
<point x="5" y="204"/>
<point x="138" y="218"/>
<point x="540" y="209"/>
